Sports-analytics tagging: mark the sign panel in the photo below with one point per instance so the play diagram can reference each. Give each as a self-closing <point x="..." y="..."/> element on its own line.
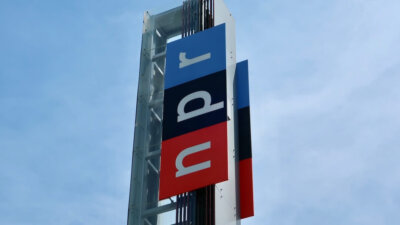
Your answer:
<point x="193" y="160"/>
<point x="194" y="147"/>
<point x="194" y="105"/>
<point x="244" y="137"/>
<point x="195" y="56"/>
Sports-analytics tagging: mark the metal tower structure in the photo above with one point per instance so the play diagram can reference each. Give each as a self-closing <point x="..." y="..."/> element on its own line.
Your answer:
<point x="144" y="207"/>
<point x="212" y="205"/>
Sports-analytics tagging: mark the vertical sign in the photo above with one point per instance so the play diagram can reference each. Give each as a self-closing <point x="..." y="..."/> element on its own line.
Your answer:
<point x="194" y="145"/>
<point x="244" y="134"/>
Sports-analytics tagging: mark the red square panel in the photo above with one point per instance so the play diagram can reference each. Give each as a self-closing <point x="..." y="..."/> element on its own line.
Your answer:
<point x="194" y="160"/>
<point x="246" y="188"/>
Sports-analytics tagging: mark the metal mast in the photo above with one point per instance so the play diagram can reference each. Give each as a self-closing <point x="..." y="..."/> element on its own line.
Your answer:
<point x="196" y="207"/>
<point x="144" y="206"/>
<point x="214" y="204"/>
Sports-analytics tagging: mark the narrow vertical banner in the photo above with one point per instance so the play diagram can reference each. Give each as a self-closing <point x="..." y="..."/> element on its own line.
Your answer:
<point x="194" y="141"/>
<point x="244" y="133"/>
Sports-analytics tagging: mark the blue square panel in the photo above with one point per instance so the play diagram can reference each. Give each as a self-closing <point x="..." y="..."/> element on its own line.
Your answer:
<point x="196" y="56"/>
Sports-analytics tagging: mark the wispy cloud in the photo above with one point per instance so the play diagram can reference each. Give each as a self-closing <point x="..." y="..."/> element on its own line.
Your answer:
<point x="324" y="79"/>
<point x="325" y="113"/>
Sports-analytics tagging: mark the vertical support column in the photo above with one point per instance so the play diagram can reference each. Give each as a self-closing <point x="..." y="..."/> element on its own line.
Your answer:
<point x="144" y="206"/>
<point x="140" y="147"/>
<point x="227" y="205"/>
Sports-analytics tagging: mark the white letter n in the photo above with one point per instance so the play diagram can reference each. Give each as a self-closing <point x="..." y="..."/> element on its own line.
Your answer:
<point x="197" y="167"/>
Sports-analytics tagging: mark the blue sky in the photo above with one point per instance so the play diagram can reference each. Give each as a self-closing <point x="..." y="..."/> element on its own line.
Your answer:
<point x="325" y="96"/>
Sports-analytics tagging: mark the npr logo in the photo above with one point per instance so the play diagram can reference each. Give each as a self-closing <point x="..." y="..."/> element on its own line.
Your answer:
<point x="194" y="147"/>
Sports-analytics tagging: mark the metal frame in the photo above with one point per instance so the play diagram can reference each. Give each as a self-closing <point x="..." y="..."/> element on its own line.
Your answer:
<point x="144" y="206"/>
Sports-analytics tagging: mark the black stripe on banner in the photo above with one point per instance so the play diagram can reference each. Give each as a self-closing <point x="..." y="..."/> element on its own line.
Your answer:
<point x="244" y="133"/>
<point x="214" y="85"/>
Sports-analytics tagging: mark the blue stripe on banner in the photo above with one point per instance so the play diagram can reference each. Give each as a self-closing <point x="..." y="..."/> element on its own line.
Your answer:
<point x="195" y="56"/>
<point x="242" y="84"/>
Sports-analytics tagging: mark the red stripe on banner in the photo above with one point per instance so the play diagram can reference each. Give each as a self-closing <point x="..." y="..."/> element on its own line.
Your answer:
<point x="246" y="188"/>
<point x="194" y="160"/>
